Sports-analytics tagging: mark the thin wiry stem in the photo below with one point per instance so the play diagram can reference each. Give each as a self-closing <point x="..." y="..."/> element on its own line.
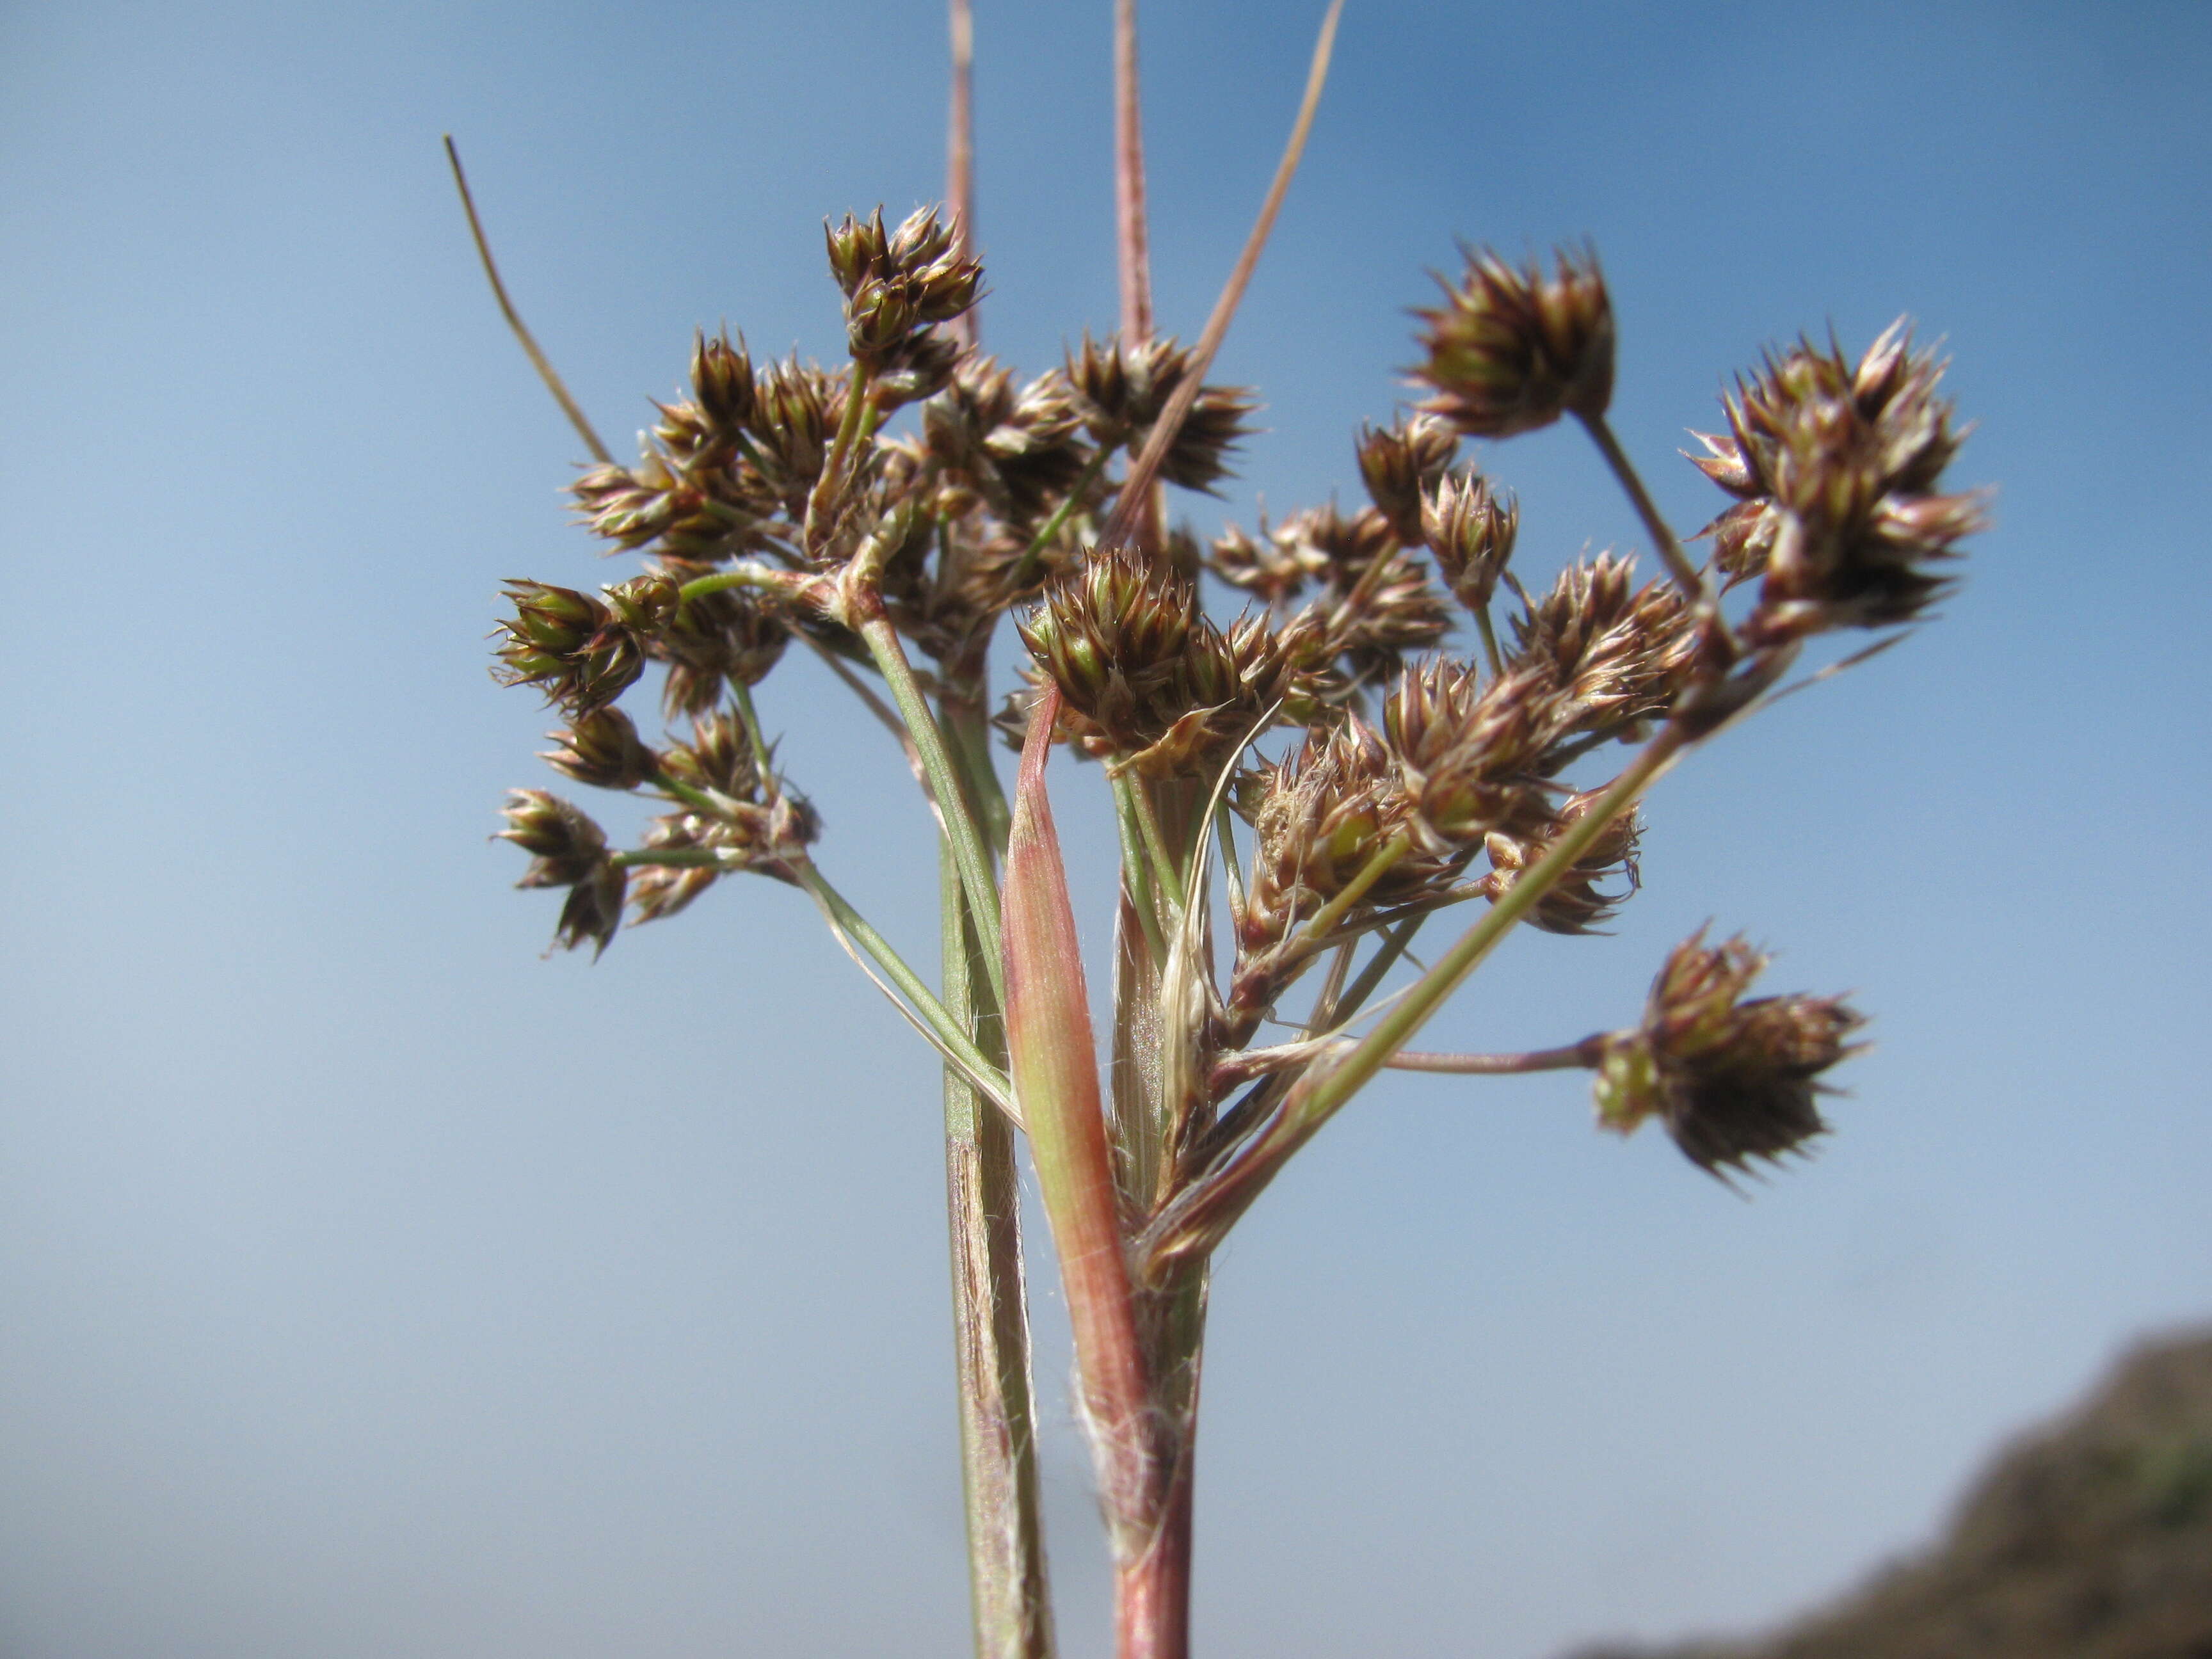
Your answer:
<point x="538" y="359"/>
<point x="968" y="849"/>
<point x="1663" y="539"/>
<point x="960" y="154"/>
<point x="1137" y="487"/>
<point x="1132" y="236"/>
<point x="1572" y="1057"/>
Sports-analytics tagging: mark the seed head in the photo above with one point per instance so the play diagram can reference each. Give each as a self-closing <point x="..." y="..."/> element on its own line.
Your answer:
<point x="720" y="758"/>
<point x="731" y="633"/>
<point x="1835" y="467"/>
<point x="722" y="382"/>
<point x="1510" y="351"/>
<point x="1467" y="751"/>
<point x="1144" y="678"/>
<point x="1402" y="464"/>
<point x="1575" y="903"/>
<point x="1121" y="390"/>
<point x="1732" y="1080"/>
<point x="602" y="749"/>
<point x="1470" y="528"/>
<point x="568" y="850"/>
<point x="575" y="647"/>
<point x="1619" y="654"/>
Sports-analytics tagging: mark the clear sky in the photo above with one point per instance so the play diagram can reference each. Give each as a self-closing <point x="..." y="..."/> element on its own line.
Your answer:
<point x="370" y="1286"/>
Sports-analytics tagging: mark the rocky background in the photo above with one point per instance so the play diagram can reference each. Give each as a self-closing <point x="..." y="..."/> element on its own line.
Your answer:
<point x="2090" y="1538"/>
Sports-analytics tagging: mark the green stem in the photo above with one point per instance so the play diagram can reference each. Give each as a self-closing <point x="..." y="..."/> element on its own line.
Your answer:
<point x="933" y="1012"/>
<point x="678" y="790"/>
<point x="1226" y="843"/>
<point x="1137" y="870"/>
<point x="968" y="849"/>
<point x="1573" y="1056"/>
<point x="1488" y="640"/>
<point x="857" y="401"/>
<point x="741" y="694"/>
<point x="1026" y="566"/>
<point x="1011" y="1599"/>
<point x="1669" y="548"/>
<point x="1377" y="868"/>
<point x="1167" y="870"/>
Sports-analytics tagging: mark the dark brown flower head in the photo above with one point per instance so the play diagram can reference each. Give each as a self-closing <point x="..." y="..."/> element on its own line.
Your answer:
<point x="1144" y="678"/>
<point x="722" y="382"/>
<point x="1402" y="464"/>
<point x="1121" y="390"/>
<point x="720" y="758"/>
<point x="1575" y="903"/>
<point x="922" y="256"/>
<point x="1619" y="654"/>
<point x="1468" y="750"/>
<point x="1018" y="452"/>
<point x="568" y="850"/>
<point x="602" y="749"/>
<point x="1510" y="351"/>
<point x="574" y="647"/>
<point x="1470" y="528"/>
<point x="1732" y="1080"/>
<point x="1835" y="467"/>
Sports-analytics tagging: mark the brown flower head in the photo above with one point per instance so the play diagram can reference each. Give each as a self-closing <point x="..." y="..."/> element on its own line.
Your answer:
<point x="1575" y="903"/>
<point x="1618" y="653"/>
<point x="1732" y="1080"/>
<point x="602" y="749"/>
<point x="1467" y="751"/>
<point x="1401" y="463"/>
<point x="1470" y="528"/>
<point x="567" y="850"/>
<point x="1121" y="392"/>
<point x="1835" y="467"/>
<point x="576" y="647"/>
<point x="1144" y="678"/>
<point x="1510" y="350"/>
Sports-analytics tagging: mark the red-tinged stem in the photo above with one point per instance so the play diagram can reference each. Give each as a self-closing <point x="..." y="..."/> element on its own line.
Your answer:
<point x="1587" y="1053"/>
<point x="1133" y="237"/>
<point x="1054" y="1059"/>
<point x="1137" y="487"/>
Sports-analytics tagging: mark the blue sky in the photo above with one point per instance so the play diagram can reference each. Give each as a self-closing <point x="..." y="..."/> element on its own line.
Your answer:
<point x="371" y="1285"/>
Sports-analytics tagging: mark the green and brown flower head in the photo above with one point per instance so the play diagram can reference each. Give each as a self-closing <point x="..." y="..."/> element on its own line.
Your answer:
<point x="1732" y="1080"/>
<point x="1470" y="527"/>
<point x="567" y="850"/>
<point x="1401" y="464"/>
<point x="1835" y="468"/>
<point x="1512" y="349"/>
<point x="573" y="646"/>
<point x="1146" y="680"/>
<point x="1123" y="390"/>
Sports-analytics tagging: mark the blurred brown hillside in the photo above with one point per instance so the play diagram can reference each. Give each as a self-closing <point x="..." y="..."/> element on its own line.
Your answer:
<point x="2090" y="1538"/>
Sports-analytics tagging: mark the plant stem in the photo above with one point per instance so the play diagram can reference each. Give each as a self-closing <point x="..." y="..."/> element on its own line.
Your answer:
<point x="968" y="849"/>
<point x="1490" y="651"/>
<point x="1662" y="539"/>
<point x="1572" y="1057"/>
<point x="1137" y="874"/>
<point x="539" y="359"/>
<point x="857" y="400"/>
<point x="1060" y="514"/>
<point x="1007" y="1583"/>
<point x="1167" y="870"/>
<point x="932" y="1013"/>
